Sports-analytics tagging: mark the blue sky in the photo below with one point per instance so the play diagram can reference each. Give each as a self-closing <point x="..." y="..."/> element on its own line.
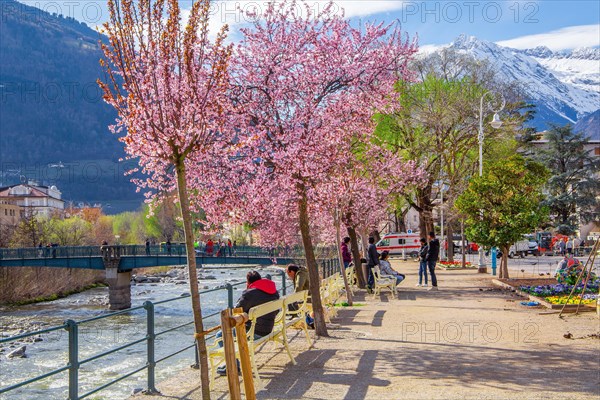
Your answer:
<point x="556" y="24"/>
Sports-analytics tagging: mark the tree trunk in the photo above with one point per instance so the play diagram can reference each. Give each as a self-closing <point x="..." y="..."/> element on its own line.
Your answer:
<point x="338" y="240"/>
<point x="311" y="264"/>
<point x="376" y="235"/>
<point x="365" y="246"/>
<point x="356" y="257"/>
<point x="504" y="263"/>
<point x="425" y="212"/>
<point x="191" y="261"/>
<point x="399" y="217"/>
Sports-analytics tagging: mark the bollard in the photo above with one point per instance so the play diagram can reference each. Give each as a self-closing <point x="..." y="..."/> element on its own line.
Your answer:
<point x="494" y="255"/>
<point x="229" y="295"/>
<point x="73" y="359"/>
<point x="150" y="338"/>
<point x="196" y="364"/>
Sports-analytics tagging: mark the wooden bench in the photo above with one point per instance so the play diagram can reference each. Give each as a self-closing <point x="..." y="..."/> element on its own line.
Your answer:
<point x="285" y="318"/>
<point x="383" y="282"/>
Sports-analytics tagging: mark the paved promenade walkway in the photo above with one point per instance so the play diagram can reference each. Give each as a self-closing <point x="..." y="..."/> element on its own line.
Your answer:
<point x="466" y="341"/>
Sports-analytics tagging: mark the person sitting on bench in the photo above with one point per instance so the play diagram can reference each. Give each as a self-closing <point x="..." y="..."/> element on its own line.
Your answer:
<point x="386" y="269"/>
<point x="258" y="291"/>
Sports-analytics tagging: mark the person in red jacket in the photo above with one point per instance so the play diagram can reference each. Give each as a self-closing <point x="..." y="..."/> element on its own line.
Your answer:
<point x="258" y="291"/>
<point x="209" y="247"/>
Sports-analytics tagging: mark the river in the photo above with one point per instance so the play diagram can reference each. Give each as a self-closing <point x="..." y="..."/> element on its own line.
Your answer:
<point x="102" y="335"/>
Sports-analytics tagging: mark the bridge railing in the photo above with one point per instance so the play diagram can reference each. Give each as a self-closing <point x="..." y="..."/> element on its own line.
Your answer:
<point x="175" y="249"/>
<point x="75" y="361"/>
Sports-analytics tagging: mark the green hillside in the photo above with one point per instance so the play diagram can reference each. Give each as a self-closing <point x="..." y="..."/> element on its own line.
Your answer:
<point x="52" y="109"/>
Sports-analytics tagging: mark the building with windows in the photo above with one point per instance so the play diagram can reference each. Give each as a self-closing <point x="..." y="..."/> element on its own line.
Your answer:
<point x="30" y="198"/>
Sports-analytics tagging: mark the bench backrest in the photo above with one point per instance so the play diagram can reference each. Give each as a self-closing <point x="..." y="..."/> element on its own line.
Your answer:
<point x="299" y="299"/>
<point x="263" y="309"/>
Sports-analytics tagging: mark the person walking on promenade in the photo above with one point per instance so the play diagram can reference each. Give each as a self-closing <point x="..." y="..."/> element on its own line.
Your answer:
<point x="433" y="253"/>
<point x="147" y="246"/>
<point x="569" y="246"/>
<point x="423" y="262"/>
<point x="562" y="247"/>
<point x="576" y="243"/>
<point x="346" y="255"/>
<point x="372" y="261"/>
<point x="229" y="247"/>
<point x="235" y="247"/>
<point x="169" y="246"/>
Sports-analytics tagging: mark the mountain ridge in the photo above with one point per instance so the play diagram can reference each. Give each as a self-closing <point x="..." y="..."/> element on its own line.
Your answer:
<point x="564" y="86"/>
<point x="53" y="111"/>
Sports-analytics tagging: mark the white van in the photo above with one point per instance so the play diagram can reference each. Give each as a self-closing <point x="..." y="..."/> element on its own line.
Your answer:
<point x="399" y="243"/>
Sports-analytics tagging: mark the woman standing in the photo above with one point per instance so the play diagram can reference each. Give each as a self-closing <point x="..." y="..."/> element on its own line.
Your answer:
<point x="423" y="263"/>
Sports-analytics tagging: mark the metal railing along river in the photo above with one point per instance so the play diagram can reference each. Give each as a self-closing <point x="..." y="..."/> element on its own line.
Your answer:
<point x="75" y="362"/>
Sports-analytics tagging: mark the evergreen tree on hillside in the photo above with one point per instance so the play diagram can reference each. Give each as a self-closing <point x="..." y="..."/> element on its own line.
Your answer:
<point x="574" y="187"/>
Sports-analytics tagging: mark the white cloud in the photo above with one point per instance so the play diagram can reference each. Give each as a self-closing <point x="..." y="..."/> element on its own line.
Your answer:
<point x="354" y="8"/>
<point x="430" y="48"/>
<point x="235" y="12"/>
<point x="562" y="39"/>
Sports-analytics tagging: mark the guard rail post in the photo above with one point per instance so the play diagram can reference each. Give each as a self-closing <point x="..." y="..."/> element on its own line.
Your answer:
<point x="283" y="291"/>
<point x="150" y="342"/>
<point x="72" y="328"/>
<point x="229" y="288"/>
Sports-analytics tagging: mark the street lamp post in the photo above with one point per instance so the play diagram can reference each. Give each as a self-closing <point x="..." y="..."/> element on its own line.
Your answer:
<point x="443" y="248"/>
<point x="495" y="123"/>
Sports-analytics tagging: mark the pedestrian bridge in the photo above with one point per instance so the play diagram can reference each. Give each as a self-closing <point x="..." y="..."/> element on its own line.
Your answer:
<point x="119" y="261"/>
<point x="128" y="257"/>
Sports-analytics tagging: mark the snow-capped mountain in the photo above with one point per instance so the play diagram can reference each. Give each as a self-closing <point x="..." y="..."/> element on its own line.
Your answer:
<point x="564" y="86"/>
<point x="580" y="67"/>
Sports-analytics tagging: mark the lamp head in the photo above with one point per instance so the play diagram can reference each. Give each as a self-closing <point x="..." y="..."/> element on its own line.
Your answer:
<point x="496" y="122"/>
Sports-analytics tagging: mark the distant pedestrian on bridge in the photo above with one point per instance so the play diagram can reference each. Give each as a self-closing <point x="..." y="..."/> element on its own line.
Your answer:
<point x="104" y="248"/>
<point x="209" y="247"/>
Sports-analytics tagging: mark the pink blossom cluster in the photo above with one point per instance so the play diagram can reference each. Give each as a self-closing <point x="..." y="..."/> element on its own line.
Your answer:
<point x="288" y="119"/>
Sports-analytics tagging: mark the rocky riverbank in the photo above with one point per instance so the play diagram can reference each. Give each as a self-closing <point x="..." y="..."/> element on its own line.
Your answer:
<point x="177" y="275"/>
<point x="18" y="348"/>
